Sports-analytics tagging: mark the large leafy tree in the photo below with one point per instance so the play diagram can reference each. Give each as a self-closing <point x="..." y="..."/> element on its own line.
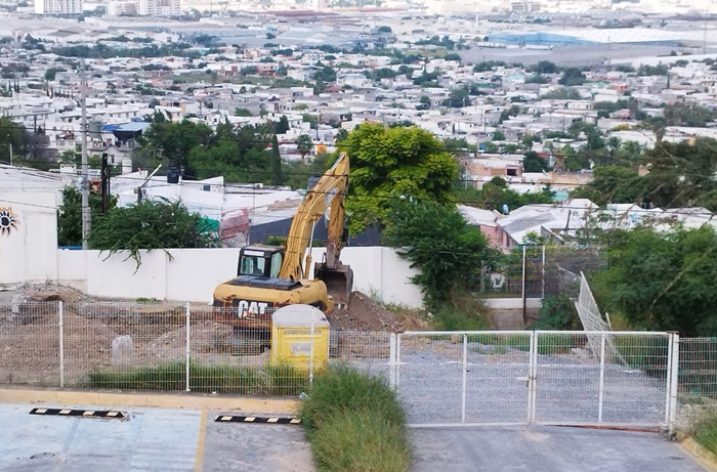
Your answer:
<point x="439" y="242"/>
<point x="534" y="163"/>
<point x="175" y="140"/>
<point x="662" y="280"/>
<point x="612" y="184"/>
<point x="69" y="221"/>
<point x="150" y="225"/>
<point x="680" y="175"/>
<point x="393" y="163"/>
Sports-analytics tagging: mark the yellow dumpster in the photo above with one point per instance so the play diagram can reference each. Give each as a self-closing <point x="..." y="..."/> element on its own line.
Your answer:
<point x="300" y="337"/>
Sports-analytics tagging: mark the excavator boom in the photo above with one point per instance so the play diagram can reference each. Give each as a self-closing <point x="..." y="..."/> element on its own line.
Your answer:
<point x="328" y="193"/>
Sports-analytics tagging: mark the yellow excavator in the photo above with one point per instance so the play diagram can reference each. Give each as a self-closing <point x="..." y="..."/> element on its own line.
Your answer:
<point x="270" y="277"/>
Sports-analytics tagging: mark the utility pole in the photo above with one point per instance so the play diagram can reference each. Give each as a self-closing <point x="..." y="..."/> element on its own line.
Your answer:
<point x="86" y="215"/>
<point x="10" y="146"/>
<point x="105" y="183"/>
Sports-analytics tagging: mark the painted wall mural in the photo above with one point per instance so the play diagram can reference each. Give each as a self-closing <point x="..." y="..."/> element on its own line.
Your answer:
<point x="9" y="221"/>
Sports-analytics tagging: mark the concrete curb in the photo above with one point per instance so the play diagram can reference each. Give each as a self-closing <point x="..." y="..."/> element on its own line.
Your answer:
<point x="279" y="406"/>
<point x="705" y="457"/>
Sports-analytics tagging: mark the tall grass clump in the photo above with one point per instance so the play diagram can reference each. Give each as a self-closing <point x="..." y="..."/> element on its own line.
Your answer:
<point x="355" y="423"/>
<point x="705" y="432"/>
<point x="273" y="380"/>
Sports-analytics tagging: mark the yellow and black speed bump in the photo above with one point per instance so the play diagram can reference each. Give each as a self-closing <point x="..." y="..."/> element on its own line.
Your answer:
<point x="107" y="414"/>
<point x="257" y="419"/>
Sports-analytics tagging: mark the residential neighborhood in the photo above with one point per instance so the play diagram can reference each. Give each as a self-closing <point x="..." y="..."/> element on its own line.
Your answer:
<point x="358" y="235"/>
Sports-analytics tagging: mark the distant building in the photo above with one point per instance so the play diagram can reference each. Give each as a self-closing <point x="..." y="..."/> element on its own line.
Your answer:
<point x="159" y="7"/>
<point x="122" y="8"/>
<point x="58" y="7"/>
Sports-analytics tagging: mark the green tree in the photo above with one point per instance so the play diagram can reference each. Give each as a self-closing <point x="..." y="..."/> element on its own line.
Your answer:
<point x="12" y="135"/>
<point x="242" y="112"/>
<point x="304" y="144"/>
<point x="557" y="312"/>
<point x="325" y="74"/>
<point x="341" y="134"/>
<point x="51" y="72"/>
<point x="390" y="163"/>
<point x="544" y="67"/>
<point x="662" y="280"/>
<point x="688" y="114"/>
<point x="612" y="184"/>
<point x="277" y="176"/>
<point x="437" y="240"/>
<point x="536" y="79"/>
<point x="562" y="93"/>
<point x="488" y="66"/>
<point x="495" y="195"/>
<point x="534" y="163"/>
<point x="175" y="140"/>
<point x="572" y="76"/>
<point x="424" y="103"/>
<point x="150" y="225"/>
<point x="458" y="98"/>
<point x="282" y="126"/>
<point x="69" y="218"/>
<point x="498" y="135"/>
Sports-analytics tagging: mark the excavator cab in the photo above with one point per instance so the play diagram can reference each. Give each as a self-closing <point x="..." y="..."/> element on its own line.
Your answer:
<point x="260" y="261"/>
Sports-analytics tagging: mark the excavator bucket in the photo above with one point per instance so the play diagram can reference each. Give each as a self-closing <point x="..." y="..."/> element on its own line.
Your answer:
<point x="339" y="281"/>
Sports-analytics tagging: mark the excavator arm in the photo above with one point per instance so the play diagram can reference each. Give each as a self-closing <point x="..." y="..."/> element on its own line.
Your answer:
<point x="328" y="193"/>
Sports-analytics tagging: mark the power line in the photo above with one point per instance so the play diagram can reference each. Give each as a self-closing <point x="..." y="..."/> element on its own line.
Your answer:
<point x="597" y="210"/>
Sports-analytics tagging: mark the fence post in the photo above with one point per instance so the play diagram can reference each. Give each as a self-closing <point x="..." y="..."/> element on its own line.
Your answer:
<point x="465" y="378"/>
<point x="542" y="288"/>
<point x="674" y="381"/>
<point x="188" y="349"/>
<point x="532" y="375"/>
<point x="392" y="361"/>
<point x="398" y="361"/>
<point x="523" y="291"/>
<point x="311" y="356"/>
<point x="61" y="316"/>
<point x="601" y="390"/>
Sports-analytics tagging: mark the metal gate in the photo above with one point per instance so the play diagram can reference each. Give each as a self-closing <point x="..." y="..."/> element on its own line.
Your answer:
<point x="535" y="377"/>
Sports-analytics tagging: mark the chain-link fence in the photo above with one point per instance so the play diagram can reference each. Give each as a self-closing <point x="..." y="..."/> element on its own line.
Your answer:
<point x="171" y="347"/>
<point x="697" y="380"/>
<point x="539" y="271"/>
<point x="498" y="377"/>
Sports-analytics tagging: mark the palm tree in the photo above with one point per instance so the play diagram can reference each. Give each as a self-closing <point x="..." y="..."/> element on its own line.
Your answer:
<point x="304" y="145"/>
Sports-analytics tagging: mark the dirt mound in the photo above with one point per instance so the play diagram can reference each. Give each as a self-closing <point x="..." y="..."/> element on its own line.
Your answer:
<point x="364" y="314"/>
<point x="43" y="293"/>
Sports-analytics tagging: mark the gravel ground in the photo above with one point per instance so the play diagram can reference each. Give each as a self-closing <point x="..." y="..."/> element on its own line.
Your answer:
<point x="430" y="385"/>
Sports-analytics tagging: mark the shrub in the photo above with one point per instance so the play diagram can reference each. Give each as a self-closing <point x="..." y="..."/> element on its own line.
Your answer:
<point x="346" y="444"/>
<point x="341" y="389"/>
<point x="355" y="423"/>
<point x="705" y="432"/>
<point x="557" y="312"/>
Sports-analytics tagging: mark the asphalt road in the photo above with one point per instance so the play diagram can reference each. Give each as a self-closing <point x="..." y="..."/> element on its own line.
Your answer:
<point x="185" y="440"/>
<point x="546" y="449"/>
<point x="150" y="440"/>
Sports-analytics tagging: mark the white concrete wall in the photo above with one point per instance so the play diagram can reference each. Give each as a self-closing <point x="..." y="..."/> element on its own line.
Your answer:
<point x="28" y="253"/>
<point x="192" y="274"/>
<point x="511" y="303"/>
<point x="177" y="274"/>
